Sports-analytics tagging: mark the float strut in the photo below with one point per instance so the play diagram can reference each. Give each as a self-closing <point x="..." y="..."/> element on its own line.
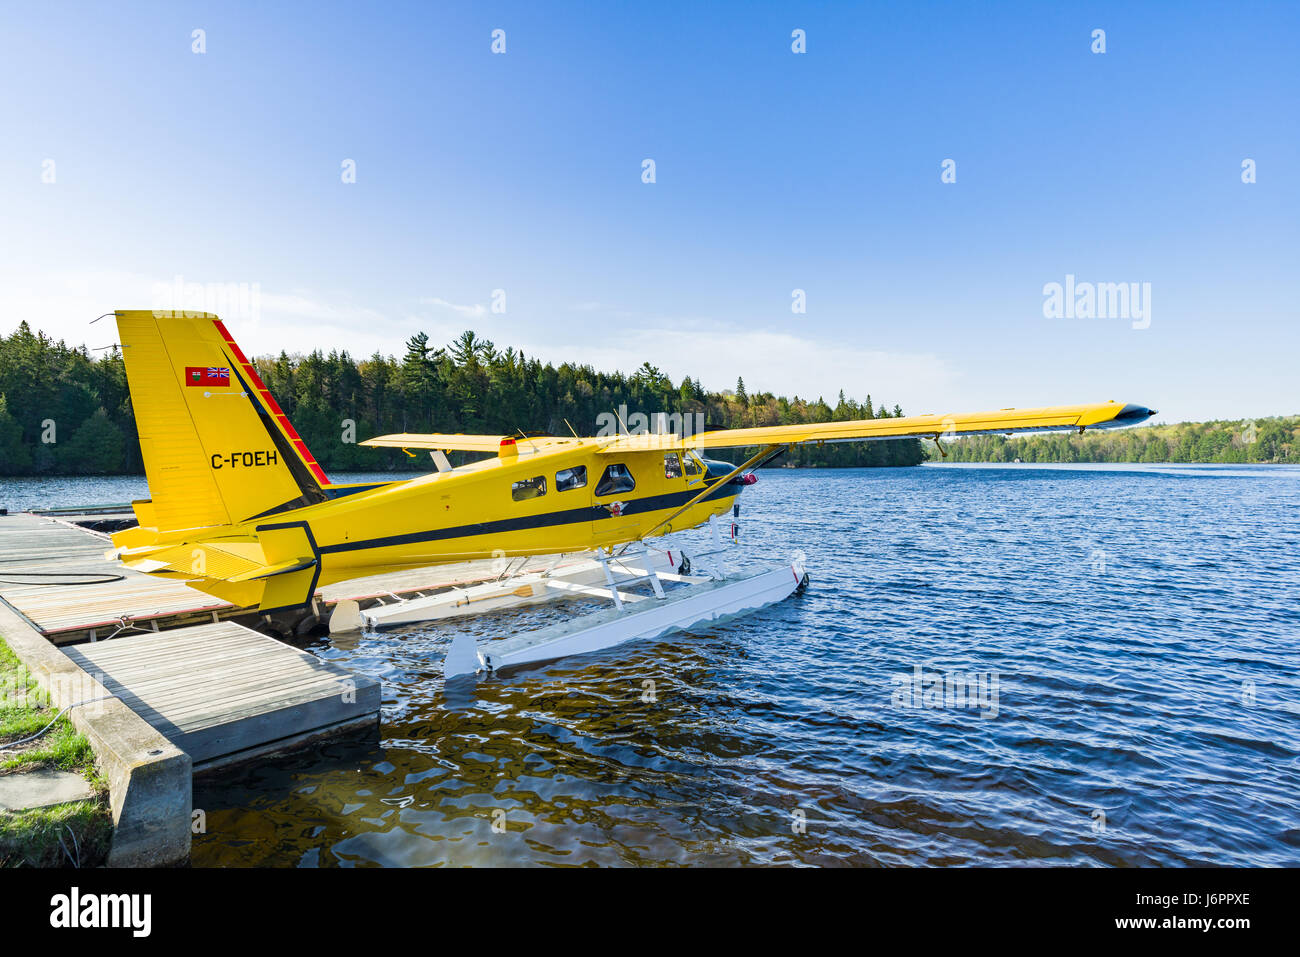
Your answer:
<point x="609" y="578"/>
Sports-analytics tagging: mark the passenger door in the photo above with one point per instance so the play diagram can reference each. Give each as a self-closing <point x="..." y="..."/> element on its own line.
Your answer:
<point x="612" y="489"/>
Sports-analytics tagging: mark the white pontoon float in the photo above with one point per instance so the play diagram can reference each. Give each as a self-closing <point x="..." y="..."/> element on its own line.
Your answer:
<point x="715" y="590"/>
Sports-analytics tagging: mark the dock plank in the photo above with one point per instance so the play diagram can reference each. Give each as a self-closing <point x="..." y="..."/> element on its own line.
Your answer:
<point x="255" y="692"/>
<point x="30" y="543"/>
<point x="134" y="602"/>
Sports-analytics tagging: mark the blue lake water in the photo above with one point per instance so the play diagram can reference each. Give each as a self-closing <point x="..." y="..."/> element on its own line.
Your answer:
<point x="1132" y="633"/>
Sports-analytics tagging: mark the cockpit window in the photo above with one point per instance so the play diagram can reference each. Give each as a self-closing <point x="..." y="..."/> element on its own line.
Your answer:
<point x="693" y="466"/>
<point x="672" y="466"/>
<point x="528" y="488"/>
<point x="615" y="479"/>
<point x="567" y="479"/>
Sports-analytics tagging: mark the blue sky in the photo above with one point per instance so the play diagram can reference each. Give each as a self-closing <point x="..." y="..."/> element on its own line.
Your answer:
<point x="775" y="171"/>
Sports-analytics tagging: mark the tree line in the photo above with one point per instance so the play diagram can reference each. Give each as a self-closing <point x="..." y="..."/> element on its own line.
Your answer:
<point x="66" y="411"/>
<point x="1273" y="440"/>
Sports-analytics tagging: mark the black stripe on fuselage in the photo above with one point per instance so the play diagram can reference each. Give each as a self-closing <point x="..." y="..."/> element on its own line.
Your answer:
<point x="315" y="551"/>
<point x="568" y="516"/>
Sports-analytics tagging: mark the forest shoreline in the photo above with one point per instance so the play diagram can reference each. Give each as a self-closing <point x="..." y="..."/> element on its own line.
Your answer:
<point x="65" y="412"/>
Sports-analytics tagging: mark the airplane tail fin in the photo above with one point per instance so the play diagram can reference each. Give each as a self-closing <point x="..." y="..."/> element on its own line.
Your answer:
<point x="217" y="448"/>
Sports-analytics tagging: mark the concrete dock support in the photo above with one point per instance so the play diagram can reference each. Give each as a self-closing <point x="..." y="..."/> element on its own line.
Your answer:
<point x="149" y="778"/>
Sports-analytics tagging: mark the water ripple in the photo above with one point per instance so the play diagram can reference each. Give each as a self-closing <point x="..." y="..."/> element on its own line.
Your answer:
<point x="1141" y="626"/>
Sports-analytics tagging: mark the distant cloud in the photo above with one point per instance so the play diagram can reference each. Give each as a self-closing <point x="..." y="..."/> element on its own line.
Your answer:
<point x="471" y="312"/>
<point x="789" y="361"/>
<point x="715" y="352"/>
<point x="779" y="362"/>
<point x="297" y="321"/>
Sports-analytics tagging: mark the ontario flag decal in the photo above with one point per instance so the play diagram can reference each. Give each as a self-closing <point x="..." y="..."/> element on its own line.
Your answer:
<point x="207" y="375"/>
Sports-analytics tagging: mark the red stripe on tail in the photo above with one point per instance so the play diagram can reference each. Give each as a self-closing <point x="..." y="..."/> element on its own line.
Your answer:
<point x="274" y="406"/>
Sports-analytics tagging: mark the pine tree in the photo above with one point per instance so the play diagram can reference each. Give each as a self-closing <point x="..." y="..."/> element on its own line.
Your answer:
<point x="14" y="457"/>
<point x="96" y="447"/>
<point x="469" y="386"/>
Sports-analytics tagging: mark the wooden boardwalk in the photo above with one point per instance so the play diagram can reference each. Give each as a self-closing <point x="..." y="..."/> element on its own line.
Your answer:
<point x="420" y="581"/>
<point x="221" y="690"/>
<point x="131" y="601"/>
<point x="216" y="690"/>
<point x="127" y="600"/>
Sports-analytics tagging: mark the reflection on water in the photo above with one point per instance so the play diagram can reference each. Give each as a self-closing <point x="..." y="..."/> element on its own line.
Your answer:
<point x="1141" y="624"/>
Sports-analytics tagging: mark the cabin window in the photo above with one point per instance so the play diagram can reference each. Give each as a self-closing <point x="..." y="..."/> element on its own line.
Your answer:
<point x="528" y="488"/>
<point x="567" y="479"/>
<point x="672" y="466"/>
<point x="615" y="479"/>
<point x="693" y="466"/>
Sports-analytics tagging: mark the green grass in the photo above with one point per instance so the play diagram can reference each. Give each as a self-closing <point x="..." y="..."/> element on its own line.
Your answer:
<point x="61" y="747"/>
<point x="32" y="837"/>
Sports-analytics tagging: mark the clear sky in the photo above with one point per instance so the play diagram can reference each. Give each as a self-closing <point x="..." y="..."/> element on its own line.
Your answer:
<point x="774" y="170"/>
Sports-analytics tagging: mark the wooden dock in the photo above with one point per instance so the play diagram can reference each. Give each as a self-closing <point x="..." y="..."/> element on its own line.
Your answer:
<point x="121" y="601"/>
<point x="129" y="602"/>
<point x="174" y="655"/>
<point x="223" y="691"/>
<point x="420" y="582"/>
<point x="158" y="696"/>
<point x="215" y="689"/>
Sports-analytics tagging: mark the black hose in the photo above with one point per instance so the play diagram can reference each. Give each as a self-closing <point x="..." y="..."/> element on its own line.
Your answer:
<point x="91" y="578"/>
<point x="13" y="745"/>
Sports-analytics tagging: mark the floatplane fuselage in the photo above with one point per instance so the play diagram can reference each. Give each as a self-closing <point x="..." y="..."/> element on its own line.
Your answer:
<point x="241" y="509"/>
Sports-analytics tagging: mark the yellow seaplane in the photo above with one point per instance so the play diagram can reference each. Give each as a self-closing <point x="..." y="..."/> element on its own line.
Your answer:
<point x="240" y="509"/>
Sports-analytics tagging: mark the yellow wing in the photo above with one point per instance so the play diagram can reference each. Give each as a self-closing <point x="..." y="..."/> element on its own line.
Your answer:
<point x="465" y="443"/>
<point x="1062" y="418"/>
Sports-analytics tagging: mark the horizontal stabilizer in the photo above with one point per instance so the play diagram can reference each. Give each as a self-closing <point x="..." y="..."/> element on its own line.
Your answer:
<point x="280" y="568"/>
<point x="277" y="567"/>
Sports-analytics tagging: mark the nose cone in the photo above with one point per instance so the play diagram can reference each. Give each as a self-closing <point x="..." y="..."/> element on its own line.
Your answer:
<point x="1133" y="414"/>
<point x="717" y="470"/>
